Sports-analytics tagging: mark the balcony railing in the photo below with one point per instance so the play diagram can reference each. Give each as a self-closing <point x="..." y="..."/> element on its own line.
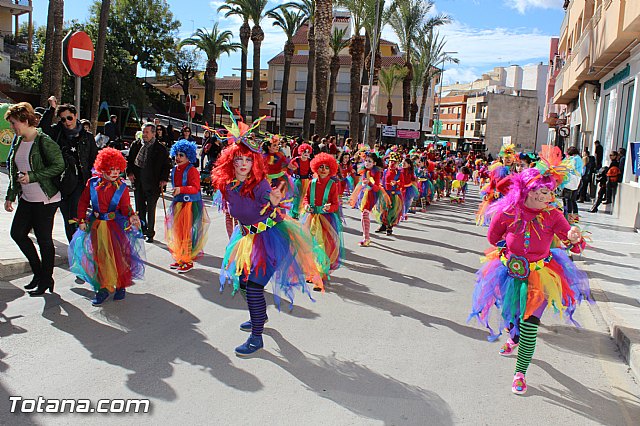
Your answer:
<point x="298" y="113"/>
<point x="301" y="86"/>
<point x="343" y="87"/>
<point x="341" y="116"/>
<point x="583" y="47"/>
<point x="557" y="89"/>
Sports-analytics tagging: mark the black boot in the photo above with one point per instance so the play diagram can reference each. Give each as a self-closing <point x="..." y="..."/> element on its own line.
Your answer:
<point x="33" y="284"/>
<point x="43" y="286"/>
<point x="382" y="228"/>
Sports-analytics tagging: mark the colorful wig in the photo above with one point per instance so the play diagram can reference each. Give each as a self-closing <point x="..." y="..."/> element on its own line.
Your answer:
<point x="238" y="132"/>
<point x="224" y="172"/>
<point x="521" y="184"/>
<point x="187" y="148"/>
<point x="304" y="147"/>
<point x="394" y="156"/>
<point x="110" y="158"/>
<point x="324" y="158"/>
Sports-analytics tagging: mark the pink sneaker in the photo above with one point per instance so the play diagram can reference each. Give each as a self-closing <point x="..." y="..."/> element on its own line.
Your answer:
<point x="519" y="386"/>
<point x="508" y="348"/>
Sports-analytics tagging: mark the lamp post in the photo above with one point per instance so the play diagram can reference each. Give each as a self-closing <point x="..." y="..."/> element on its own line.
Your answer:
<point x="275" y="122"/>
<point x="215" y="107"/>
<point x="444" y="58"/>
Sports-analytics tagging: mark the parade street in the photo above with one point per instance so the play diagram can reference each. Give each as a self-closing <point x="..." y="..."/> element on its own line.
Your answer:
<point x="387" y="344"/>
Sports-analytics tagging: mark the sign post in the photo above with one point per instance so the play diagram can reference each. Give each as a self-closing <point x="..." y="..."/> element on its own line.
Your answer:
<point x="77" y="58"/>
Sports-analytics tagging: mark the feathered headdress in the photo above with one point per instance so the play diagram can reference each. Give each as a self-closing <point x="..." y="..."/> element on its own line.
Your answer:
<point x="551" y="164"/>
<point x="239" y="131"/>
<point x="507" y="150"/>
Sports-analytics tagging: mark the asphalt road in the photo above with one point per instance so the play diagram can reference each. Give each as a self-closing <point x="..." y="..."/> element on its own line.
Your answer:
<point x="388" y="343"/>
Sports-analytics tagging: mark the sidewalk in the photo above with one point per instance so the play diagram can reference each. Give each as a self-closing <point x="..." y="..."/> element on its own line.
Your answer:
<point x="613" y="264"/>
<point x="12" y="261"/>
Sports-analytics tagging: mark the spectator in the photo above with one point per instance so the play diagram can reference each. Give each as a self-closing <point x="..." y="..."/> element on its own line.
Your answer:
<point x="589" y="162"/>
<point x="185" y="133"/>
<point x="148" y="170"/>
<point x="599" y="155"/>
<point x="111" y="129"/>
<point x="161" y="135"/>
<point x="286" y="149"/>
<point x="210" y="148"/>
<point x="613" y="177"/>
<point x="79" y="150"/>
<point x="39" y="112"/>
<point x="34" y="160"/>
<point x="622" y="155"/>
<point x="323" y="145"/>
<point x="315" y="145"/>
<point x="86" y="125"/>
<point x="601" y="180"/>
<point x="333" y="147"/>
<point x="171" y="137"/>
<point x="570" y="194"/>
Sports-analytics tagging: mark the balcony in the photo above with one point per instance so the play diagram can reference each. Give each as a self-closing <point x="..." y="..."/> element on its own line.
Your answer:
<point x="301" y="86"/>
<point x="341" y="116"/>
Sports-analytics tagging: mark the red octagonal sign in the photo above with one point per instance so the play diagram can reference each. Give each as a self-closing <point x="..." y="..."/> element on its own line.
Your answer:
<point x="77" y="53"/>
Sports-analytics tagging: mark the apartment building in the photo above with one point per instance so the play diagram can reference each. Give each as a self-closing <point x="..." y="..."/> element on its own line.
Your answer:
<point x="598" y="81"/>
<point x="10" y="13"/>
<point x="453" y="110"/>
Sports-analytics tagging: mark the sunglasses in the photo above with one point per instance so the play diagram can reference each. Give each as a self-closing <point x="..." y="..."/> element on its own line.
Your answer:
<point x="68" y="118"/>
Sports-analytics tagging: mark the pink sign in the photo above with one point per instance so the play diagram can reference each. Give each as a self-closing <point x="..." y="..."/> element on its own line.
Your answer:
<point x="408" y="134"/>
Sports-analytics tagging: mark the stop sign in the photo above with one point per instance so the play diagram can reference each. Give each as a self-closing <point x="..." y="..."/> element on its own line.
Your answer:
<point x="77" y="53"/>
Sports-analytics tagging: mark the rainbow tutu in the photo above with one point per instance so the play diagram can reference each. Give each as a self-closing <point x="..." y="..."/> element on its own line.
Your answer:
<point x="284" y="254"/>
<point x="186" y="226"/>
<point x="410" y="194"/>
<point x="392" y="214"/>
<point x="300" y="188"/>
<point x="518" y="288"/>
<point x="365" y="198"/>
<point x="326" y="230"/>
<point x="109" y="254"/>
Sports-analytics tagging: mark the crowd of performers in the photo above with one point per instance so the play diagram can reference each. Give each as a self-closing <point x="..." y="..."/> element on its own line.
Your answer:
<point x="285" y="218"/>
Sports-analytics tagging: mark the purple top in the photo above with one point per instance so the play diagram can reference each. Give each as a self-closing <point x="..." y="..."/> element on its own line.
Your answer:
<point x="248" y="210"/>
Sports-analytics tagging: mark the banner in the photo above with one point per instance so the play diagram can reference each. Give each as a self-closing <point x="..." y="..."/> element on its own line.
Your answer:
<point x="6" y="134"/>
<point x="389" y="131"/>
<point x="635" y="157"/>
<point x="375" y="91"/>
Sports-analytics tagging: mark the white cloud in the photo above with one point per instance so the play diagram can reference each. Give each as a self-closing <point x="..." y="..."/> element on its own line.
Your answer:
<point x="522" y="5"/>
<point x="460" y="74"/>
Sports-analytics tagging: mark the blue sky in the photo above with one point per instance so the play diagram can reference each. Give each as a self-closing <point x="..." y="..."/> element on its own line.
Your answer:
<point x="485" y="33"/>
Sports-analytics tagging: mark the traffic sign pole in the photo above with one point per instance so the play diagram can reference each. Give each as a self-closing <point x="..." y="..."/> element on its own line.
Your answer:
<point x="76" y="98"/>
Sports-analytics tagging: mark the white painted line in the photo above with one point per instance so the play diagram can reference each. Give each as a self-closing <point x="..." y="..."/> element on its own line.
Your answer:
<point x="81" y="54"/>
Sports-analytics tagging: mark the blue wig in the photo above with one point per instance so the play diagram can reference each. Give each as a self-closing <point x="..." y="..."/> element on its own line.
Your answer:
<point x="186" y="147"/>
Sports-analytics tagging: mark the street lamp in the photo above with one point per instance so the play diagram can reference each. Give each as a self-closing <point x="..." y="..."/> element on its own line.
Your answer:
<point x="215" y="107"/>
<point x="444" y="58"/>
<point x="275" y="121"/>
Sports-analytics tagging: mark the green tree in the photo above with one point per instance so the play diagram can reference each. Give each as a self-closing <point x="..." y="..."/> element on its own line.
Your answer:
<point x="214" y="44"/>
<point x="183" y="67"/>
<point x="290" y="23"/>
<point x="240" y="8"/>
<point x="389" y="79"/>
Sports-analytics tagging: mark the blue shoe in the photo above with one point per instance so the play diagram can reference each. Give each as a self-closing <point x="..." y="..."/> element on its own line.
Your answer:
<point x="120" y="294"/>
<point x="252" y="345"/>
<point x="101" y="296"/>
<point x="246" y="326"/>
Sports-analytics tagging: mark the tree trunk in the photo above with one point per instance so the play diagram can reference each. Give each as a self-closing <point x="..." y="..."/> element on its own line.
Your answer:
<point x="99" y="63"/>
<point x="333" y="80"/>
<point x="209" y="90"/>
<point x="257" y="36"/>
<point x="56" y="63"/>
<point x="323" y="22"/>
<point x="308" y="96"/>
<point x="289" y="48"/>
<point x="48" y="54"/>
<point x="406" y="90"/>
<point x="389" y="113"/>
<point x="245" y="35"/>
<point x="356" y="49"/>
<point x="377" y="66"/>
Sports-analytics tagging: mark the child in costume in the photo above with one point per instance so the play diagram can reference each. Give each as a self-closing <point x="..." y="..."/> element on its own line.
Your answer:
<point x="368" y="194"/>
<point x="346" y="173"/>
<point x="322" y="203"/>
<point x="393" y="183"/>
<point x="459" y="185"/>
<point x="276" y="166"/>
<point x="497" y="172"/>
<point x="106" y="250"/>
<point x="410" y="187"/>
<point x="187" y="221"/>
<point x="425" y="186"/>
<point x="267" y="245"/>
<point x="300" y="169"/>
<point x="524" y="275"/>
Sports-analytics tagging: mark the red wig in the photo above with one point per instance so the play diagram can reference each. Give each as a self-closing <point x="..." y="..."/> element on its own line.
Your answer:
<point x="110" y="158"/>
<point x="305" y="147"/>
<point x="224" y="172"/>
<point x="324" y="158"/>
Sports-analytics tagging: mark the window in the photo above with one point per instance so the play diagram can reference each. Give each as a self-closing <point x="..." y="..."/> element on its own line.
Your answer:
<point x="227" y="97"/>
<point x="624" y="125"/>
<point x="473" y="109"/>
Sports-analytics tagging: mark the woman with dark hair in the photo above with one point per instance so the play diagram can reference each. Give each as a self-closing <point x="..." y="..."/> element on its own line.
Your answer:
<point x="161" y="135"/>
<point x="572" y="189"/>
<point x="185" y="134"/>
<point x="35" y="160"/>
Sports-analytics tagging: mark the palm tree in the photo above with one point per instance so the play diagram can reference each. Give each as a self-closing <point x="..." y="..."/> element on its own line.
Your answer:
<point x="290" y="23"/>
<point x="99" y="61"/>
<point x="323" y="24"/>
<point x="56" y="64"/>
<point x="213" y="43"/>
<point x="48" y="54"/>
<point x="256" y="11"/>
<point x="389" y="79"/>
<point x="419" y="66"/>
<point x="406" y="17"/>
<point x="308" y="7"/>
<point x="337" y="43"/>
<point x="430" y="49"/>
<point x="370" y="24"/>
<point x="239" y="8"/>
<point x="356" y="50"/>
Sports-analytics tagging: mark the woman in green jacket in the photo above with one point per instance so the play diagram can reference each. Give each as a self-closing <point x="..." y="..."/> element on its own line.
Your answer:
<point x="35" y="160"/>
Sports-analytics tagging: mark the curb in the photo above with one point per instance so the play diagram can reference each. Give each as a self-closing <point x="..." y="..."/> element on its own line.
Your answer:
<point x="626" y="338"/>
<point x="13" y="267"/>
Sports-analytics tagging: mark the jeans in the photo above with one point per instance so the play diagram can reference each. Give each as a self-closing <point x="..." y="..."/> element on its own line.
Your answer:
<point x="39" y="217"/>
<point x="146" y="202"/>
<point x="69" y="209"/>
<point x="570" y="201"/>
